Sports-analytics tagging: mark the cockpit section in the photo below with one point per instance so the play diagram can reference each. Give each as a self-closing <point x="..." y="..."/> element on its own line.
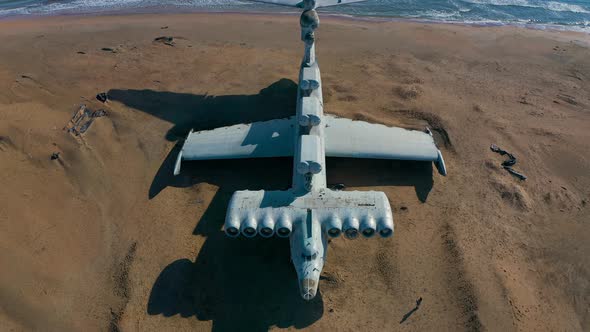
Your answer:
<point x="309" y="258"/>
<point x="308" y="244"/>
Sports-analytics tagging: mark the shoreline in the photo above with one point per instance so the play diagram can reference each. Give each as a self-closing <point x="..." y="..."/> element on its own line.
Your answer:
<point x="167" y="10"/>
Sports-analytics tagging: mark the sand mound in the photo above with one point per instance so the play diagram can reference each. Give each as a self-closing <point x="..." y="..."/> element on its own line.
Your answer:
<point x="512" y="194"/>
<point x="409" y="92"/>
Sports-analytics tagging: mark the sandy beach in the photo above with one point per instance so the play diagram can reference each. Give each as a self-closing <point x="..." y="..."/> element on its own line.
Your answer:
<point x="105" y="238"/>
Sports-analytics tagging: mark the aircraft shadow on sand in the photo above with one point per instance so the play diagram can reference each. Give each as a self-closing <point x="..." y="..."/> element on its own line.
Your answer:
<point x="203" y="112"/>
<point x="244" y="283"/>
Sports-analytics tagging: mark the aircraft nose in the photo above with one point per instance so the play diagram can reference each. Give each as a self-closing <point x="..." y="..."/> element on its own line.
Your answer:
<point x="308" y="288"/>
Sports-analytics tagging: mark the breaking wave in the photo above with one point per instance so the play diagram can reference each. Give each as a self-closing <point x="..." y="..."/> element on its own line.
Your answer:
<point x="570" y="14"/>
<point x="547" y="5"/>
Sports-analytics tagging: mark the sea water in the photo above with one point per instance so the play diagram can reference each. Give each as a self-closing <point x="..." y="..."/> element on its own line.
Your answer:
<point x="567" y="14"/>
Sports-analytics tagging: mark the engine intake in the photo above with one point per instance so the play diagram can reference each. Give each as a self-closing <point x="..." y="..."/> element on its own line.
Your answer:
<point x="385" y="226"/>
<point x="284" y="226"/>
<point x="266" y="227"/>
<point x="248" y="227"/>
<point x="333" y="226"/>
<point x="368" y="226"/>
<point x="232" y="226"/>
<point x="351" y="228"/>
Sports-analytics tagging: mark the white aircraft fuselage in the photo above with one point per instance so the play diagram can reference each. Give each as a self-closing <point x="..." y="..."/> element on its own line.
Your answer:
<point x="308" y="240"/>
<point x="309" y="213"/>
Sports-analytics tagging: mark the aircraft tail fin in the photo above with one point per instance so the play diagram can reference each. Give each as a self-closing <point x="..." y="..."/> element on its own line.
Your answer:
<point x="268" y="213"/>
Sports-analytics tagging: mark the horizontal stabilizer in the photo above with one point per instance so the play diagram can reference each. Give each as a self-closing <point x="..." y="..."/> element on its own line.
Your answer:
<point x="358" y="139"/>
<point x="251" y="212"/>
<point x="299" y="3"/>
<point x="272" y="138"/>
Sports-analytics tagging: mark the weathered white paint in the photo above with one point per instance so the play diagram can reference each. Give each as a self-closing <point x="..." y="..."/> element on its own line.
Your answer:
<point x="309" y="212"/>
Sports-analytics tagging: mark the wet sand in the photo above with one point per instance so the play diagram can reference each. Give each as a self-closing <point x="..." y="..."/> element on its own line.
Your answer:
<point x="104" y="237"/>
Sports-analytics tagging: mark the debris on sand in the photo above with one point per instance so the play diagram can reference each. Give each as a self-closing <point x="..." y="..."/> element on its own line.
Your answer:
<point x="108" y="49"/>
<point x="407" y="315"/>
<point x="507" y="164"/>
<point x="164" y="27"/>
<point x="93" y="115"/>
<point x="99" y="113"/>
<point x="76" y="119"/>
<point x="165" y="40"/>
<point x="84" y="126"/>
<point x="82" y="119"/>
<point x="567" y="98"/>
<point x="515" y="173"/>
<point x="102" y="97"/>
<point x="80" y="52"/>
<point x="55" y="156"/>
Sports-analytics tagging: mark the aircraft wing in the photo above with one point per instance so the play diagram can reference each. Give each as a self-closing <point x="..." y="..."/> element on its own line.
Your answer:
<point x="299" y="3"/>
<point x="358" y="139"/>
<point x="340" y="209"/>
<point x="272" y="138"/>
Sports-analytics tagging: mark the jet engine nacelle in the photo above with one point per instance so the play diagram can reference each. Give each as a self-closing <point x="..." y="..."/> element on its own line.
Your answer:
<point x="249" y="226"/>
<point x="311" y="112"/>
<point x="310" y="158"/>
<point x="333" y="226"/>
<point x="385" y="226"/>
<point x="232" y="225"/>
<point x="351" y="228"/>
<point x="368" y="226"/>
<point x="284" y="226"/>
<point x="266" y="228"/>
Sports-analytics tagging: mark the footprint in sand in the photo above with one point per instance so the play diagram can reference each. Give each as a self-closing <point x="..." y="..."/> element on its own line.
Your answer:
<point x="5" y="143"/>
<point x="25" y="84"/>
<point x="512" y="194"/>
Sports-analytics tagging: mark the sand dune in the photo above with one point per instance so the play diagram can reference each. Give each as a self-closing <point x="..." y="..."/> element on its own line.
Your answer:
<point x="104" y="237"/>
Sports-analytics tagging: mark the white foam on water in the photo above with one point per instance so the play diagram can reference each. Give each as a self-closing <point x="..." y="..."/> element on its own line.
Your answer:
<point x="436" y="14"/>
<point x="566" y="7"/>
<point x="547" y="5"/>
<point x="92" y="6"/>
<point x="518" y="3"/>
<point x="459" y="12"/>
